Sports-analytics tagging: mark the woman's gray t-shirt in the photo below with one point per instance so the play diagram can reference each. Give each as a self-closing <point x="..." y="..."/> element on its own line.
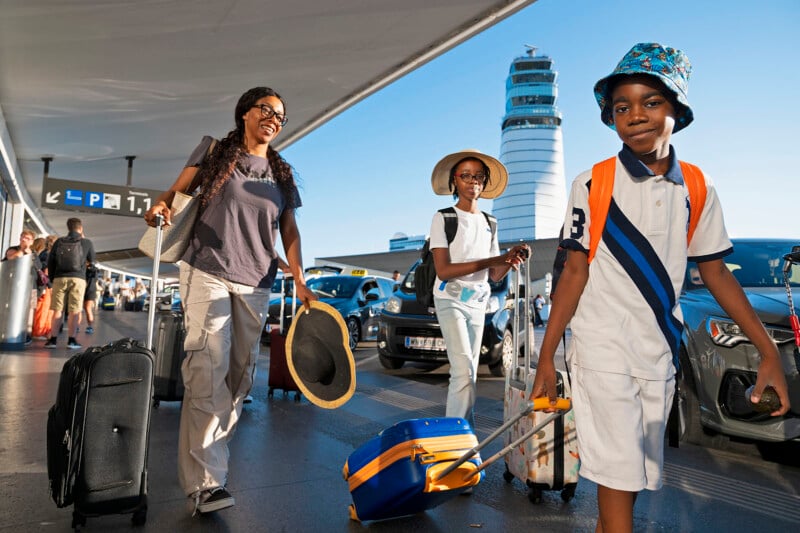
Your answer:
<point x="234" y="237"/>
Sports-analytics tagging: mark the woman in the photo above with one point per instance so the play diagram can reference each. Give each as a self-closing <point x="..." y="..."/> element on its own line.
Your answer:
<point x="247" y="194"/>
<point x="461" y="291"/>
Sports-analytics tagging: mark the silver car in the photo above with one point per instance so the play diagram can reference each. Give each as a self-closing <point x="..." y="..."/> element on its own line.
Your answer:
<point x="718" y="362"/>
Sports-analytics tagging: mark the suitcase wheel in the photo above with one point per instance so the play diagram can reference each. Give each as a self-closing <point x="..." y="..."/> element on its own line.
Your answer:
<point x="508" y="476"/>
<point x="270" y="393"/>
<point x="156" y="403"/>
<point x="139" y="517"/>
<point x="569" y="492"/>
<point x="535" y="495"/>
<point x="296" y="397"/>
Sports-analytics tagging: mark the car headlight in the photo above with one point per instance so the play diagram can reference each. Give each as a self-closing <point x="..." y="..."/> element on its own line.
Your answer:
<point x="393" y="305"/>
<point x="725" y="332"/>
<point x="493" y="305"/>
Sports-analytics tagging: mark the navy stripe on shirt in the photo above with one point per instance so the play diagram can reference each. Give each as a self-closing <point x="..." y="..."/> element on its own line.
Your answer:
<point x="641" y="262"/>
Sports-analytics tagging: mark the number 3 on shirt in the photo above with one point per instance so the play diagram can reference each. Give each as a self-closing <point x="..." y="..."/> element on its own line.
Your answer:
<point x="578" y="222"/>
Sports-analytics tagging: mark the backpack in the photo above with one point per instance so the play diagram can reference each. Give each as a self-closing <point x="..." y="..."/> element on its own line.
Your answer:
<point x="70" y="256"/>
<point x="425" y="274"/>
<point x="600" y="200"/>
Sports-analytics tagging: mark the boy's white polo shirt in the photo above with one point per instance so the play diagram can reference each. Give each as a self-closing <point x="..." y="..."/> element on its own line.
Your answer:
<point x="628" y="320"/>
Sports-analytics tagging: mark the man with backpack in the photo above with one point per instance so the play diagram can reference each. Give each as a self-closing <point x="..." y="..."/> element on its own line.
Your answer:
<point x="66" y="266"/>
<point x="463" y="263"/>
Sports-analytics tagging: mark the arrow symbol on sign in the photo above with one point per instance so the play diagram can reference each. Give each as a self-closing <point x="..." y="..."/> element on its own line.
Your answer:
<point x="52" y="197"/>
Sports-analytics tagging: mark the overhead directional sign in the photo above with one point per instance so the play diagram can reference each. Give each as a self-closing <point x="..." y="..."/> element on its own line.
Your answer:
<point x="97" y="197"/>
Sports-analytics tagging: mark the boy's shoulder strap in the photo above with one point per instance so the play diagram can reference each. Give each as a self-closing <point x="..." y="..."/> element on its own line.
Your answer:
<point x="450" y="223"/>
<point x="696" y="184"/>
<point x="599" y="200"/>
<point x="602" y="186"/>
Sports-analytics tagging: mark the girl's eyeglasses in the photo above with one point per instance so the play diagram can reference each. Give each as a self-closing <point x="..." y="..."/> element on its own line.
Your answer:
<point x="479" y="178"/>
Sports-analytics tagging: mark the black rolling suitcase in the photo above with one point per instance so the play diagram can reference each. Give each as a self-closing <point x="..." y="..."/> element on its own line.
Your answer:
<point x="98" y="430"/>
<point x="170" y="334"/>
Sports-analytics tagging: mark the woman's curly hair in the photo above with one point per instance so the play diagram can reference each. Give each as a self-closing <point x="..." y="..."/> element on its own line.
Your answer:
<point x="217" y="170"/>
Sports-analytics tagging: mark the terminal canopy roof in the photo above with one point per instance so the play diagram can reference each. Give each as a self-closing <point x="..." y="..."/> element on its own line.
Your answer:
<point x="89" y="82"/>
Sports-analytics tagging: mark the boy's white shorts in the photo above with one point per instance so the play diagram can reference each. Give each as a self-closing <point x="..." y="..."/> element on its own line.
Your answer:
<point x="620" y="424"/>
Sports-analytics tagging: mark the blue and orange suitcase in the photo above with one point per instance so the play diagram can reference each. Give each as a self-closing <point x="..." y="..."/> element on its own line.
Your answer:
<point x="395" y="473"/>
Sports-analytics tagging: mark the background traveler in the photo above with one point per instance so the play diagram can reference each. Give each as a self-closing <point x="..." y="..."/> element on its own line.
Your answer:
<point x="538" y="305"/>
<point x="90" y="298"/>
<point x="66" y="264"/>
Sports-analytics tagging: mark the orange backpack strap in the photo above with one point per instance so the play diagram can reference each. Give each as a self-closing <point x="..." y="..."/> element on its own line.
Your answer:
<point x="696" y="184"/>
<point x="600" y="200"/>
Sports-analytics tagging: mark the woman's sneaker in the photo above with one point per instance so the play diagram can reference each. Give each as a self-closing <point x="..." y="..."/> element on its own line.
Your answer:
<point x="208" y="501"/>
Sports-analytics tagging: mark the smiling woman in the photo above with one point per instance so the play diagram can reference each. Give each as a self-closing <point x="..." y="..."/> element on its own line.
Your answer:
<point x="247" y="195"/>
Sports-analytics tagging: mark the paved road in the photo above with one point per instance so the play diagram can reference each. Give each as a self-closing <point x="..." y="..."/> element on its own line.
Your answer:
<point x="287" y="459"/>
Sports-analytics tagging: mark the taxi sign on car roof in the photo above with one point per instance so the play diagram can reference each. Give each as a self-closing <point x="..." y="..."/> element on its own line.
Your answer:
<point x="358" y="272"/>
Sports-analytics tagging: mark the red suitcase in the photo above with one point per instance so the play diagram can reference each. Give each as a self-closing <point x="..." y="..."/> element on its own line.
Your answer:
<point x="279" y="375"/>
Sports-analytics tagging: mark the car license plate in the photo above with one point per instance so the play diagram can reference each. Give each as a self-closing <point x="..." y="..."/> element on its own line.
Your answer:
<point x="426" y="343"/>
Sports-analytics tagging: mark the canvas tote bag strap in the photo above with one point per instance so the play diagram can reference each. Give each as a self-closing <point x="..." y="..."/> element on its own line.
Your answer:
<point x="196" y="180"/>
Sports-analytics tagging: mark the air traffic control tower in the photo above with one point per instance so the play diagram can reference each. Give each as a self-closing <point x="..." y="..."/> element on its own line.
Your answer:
<point x="532" y="206"/>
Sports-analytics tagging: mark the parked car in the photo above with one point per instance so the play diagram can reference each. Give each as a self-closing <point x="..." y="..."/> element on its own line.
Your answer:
<point x="718" y="362"/>
<point x="410" y="332"/>
<point x="359" y="299"/>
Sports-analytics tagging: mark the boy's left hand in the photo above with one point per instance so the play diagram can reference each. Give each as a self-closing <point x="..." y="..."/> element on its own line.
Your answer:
<point x="770" y="372"/>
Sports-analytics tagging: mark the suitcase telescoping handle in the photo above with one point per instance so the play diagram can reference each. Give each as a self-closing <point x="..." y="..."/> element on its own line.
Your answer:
<point x="281" y="327"/>
<point x="521" y="334"/>
<point x="151" y="311"/>
<point x="562" y="406"/>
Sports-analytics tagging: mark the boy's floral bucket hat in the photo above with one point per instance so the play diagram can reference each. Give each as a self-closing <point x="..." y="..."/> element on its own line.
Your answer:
<point x="669" y="65"/>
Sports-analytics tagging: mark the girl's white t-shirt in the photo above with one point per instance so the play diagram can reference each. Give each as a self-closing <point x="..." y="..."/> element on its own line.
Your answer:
<point x="473" y="241"/>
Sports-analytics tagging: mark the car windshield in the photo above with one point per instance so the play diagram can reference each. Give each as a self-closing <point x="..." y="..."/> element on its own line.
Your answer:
<point x="334" y="286"/>
<point x="753" y="264"/>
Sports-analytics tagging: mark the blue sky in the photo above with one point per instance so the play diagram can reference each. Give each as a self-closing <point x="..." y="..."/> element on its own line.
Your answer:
<point x="365" y="175"/>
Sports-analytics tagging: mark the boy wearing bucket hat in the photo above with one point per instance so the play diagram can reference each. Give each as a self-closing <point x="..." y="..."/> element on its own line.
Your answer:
<point x="461" y="289"/>
<point x="622" y="301"/>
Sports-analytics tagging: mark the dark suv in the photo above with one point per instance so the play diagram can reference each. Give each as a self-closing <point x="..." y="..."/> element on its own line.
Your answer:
<point x="407" y="331"/>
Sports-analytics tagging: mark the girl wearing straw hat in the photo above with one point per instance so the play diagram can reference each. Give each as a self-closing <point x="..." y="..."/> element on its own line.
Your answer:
<point x="461" y="290"/>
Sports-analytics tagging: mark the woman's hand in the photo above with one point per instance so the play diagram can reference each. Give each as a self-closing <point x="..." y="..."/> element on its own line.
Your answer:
<point x="159" y="209"/>
<point x="305" y="294"/>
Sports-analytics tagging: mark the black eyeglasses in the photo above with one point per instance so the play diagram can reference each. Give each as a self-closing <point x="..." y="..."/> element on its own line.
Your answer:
<point x="478" y="177"/>
<point x="267" y="112"/>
